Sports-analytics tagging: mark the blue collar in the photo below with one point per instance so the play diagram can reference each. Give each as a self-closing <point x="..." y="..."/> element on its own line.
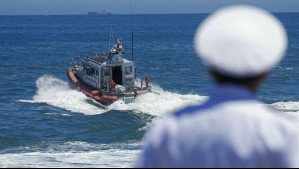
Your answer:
<point x="221" y="94"/>
<point x="230" y="92"/>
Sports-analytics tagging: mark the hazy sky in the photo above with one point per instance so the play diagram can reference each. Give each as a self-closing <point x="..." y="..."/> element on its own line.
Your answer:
<point x="29" y="7"/>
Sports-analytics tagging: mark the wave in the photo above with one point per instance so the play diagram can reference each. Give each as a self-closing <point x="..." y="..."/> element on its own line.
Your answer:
<point x="291" y="109"/>
<point x="72" y="154"/>
<point x="58" y="93"/>
<point x="159" y="103"/>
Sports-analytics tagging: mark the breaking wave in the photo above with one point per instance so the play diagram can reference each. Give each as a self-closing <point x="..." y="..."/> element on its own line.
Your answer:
<point x="58" y="93"/>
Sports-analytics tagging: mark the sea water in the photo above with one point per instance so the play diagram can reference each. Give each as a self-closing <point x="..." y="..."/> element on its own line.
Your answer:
<point x="46" y="123"/>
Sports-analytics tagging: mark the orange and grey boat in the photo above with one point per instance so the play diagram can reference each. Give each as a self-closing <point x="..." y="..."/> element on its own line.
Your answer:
<point x="108" y="78"/>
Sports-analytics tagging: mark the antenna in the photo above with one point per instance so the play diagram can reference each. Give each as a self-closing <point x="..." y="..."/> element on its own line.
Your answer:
<point x="132" y="31"/>
<point x="111" y="39"/>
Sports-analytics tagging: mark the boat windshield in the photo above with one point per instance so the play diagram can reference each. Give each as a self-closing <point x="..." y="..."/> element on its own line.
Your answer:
<point x="129" y="70"/>
<point x="106" y="72"/>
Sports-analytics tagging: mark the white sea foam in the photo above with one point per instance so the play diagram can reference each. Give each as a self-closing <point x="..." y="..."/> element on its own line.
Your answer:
<point x="286" y="106"/>
<point x="69" y="155"/>
<point x="159" y="103"/>
<point x="56" y="92"/>
<point x="290" y="108"/>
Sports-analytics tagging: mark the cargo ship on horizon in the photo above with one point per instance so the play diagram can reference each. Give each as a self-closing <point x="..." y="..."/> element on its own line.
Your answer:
<point x="102" y="12"/>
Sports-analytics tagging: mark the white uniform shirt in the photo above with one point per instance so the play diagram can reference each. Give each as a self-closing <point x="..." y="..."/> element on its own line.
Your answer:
<point x="231" y="129"/>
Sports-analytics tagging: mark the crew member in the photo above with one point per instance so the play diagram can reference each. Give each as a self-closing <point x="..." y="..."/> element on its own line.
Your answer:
<point x="147" y="81"/>
<point x="239" y="45"/>
<point x="112" y="85"/>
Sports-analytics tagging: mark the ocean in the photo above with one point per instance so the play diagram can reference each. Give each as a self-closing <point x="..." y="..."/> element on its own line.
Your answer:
<point x="46" y="123"/>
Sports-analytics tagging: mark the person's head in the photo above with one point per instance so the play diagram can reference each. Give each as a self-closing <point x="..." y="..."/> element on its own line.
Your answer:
<point x="241" y="44"/>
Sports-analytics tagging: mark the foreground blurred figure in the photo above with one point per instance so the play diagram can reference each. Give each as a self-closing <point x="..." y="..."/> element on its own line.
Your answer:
<point x="239" y="45"/>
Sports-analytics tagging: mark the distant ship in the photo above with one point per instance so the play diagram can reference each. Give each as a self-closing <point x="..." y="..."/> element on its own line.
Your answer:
<point x="102" y="12"/>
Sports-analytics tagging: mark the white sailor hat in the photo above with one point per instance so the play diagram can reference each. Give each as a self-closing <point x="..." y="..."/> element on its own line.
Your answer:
<point x="241" y="41"/>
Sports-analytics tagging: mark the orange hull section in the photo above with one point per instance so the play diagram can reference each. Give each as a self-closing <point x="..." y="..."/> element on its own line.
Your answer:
<point x="89" y="91"/>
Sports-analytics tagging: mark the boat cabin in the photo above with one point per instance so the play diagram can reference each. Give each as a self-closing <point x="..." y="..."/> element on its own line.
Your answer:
<point x="98" y="71"/>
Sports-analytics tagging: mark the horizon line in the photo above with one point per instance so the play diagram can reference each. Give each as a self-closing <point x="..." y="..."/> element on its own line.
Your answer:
<point x="117" y="14"/>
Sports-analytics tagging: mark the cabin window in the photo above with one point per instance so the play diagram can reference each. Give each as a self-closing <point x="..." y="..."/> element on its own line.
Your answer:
<point x="87" y="70"/>
<point x="92" y="71"/>
<point x="106" y="72"/>
<point x="129" y="70"/>
<point x="97" y="72"/>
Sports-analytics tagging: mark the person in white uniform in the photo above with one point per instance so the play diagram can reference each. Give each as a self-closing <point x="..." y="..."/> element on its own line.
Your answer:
<point x="239" y="45"/>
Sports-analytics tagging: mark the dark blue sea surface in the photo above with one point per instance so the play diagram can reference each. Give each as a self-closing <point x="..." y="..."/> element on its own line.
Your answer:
<point x="45" y="123"/>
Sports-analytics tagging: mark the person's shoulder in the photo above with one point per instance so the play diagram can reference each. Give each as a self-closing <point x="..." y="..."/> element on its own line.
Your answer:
<point x="279" y="118"/>
<point x="278" y="123"/>
<point x="160" y="127"/>
<point x="285" y="123"/>
<point x="189" y="110"/>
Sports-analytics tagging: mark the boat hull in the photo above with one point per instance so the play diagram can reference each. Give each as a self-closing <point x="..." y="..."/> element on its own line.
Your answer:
<point x="90" y="91"/>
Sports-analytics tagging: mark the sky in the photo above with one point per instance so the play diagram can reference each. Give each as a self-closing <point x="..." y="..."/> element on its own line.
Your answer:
<point x="57" y="7"/>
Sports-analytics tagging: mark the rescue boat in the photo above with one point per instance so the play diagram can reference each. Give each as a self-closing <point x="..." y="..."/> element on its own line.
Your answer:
<point x="107" y="78"/>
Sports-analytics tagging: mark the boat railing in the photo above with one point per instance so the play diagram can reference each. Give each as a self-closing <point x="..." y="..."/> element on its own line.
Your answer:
<point x="129" y="92"/>
<point x="74" y="60"/>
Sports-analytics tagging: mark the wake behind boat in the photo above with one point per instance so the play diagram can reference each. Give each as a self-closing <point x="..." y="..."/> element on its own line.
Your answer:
<point x="108" y="78"/>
